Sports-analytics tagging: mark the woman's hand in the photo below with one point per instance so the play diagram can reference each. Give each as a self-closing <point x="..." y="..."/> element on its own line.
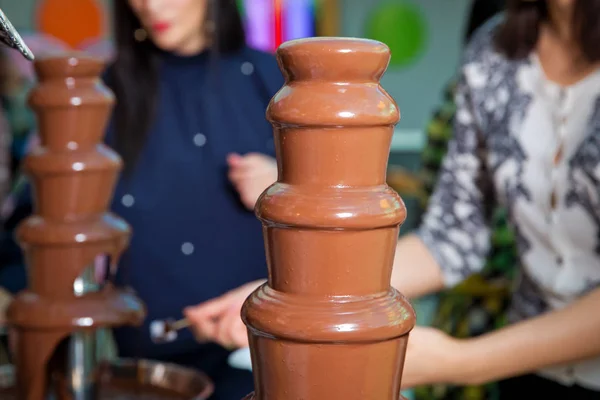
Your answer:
<point x="568" y="334"/>
<point x="432" y="357"/>
<point x="251" y="174"/>
<point x="218" y="320"/>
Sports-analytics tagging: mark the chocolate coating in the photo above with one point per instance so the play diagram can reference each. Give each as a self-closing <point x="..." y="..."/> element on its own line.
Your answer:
<point x="73" y="176"/>
<point x="328" y="325"/>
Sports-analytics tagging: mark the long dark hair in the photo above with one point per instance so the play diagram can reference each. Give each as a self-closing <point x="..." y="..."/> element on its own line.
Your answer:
<point x="518" y="35"/>
<point x="481" y="11"/>
<point x="134" y="74"/>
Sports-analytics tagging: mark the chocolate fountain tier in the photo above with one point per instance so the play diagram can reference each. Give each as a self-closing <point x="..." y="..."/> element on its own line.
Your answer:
<point x="105" y="308"/>
<point x="131" y="380"/>
<point x="73" y="174"/>
<point x="328" y="325"/>
<point x="72" y="245"/>
<point x="58" y="252"/>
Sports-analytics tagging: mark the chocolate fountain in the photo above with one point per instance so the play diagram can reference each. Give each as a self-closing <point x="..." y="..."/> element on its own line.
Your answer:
<point x="328" y="325"/>
<point x="67" y="243"/>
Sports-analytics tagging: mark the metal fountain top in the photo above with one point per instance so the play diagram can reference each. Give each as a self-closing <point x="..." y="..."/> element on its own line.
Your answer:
<point x="11" y="38"/>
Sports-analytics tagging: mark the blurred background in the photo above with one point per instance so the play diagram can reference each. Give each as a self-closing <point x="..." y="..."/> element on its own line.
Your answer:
<point x="425" y="37"/>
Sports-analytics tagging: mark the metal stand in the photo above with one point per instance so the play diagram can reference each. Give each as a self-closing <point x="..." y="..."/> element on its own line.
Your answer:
<point x="82" y="351"/>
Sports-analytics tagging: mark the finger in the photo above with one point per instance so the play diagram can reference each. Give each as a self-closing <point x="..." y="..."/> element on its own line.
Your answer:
<point x="209" y="309"/>
<point x="251" y="172"/>
<point x="239" y="334"/>
<point x="206" y="316"/>
<point x="204" y="329"/>
<point x="252" y="180"/>
<point x="247" y="161"/>
<point x="223" y="333"/>
<point x="234" y="160"/>
<point x="205" y="332"/>
<point x="248" y="156"/>
<point x="237" y="176"/>
<point x="232" y="332"/>
<point x="243" y="173"/>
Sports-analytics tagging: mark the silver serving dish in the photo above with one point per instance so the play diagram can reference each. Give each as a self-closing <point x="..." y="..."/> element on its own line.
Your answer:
<point x="184" y="382"/>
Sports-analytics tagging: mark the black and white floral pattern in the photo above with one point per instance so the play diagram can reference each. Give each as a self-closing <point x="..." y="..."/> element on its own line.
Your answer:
<point x="510" y="122"/>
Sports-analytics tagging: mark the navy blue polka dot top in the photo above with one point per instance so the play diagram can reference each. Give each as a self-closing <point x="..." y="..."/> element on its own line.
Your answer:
<point x="192" y="239"/>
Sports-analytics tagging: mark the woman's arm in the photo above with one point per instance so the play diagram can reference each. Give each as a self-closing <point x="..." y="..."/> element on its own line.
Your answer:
<point x="558" y="337"/>
<point x="454" y="238"/>
<point x="416" y="272"/>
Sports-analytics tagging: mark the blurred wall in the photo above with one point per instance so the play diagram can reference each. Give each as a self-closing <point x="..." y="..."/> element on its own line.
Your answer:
<point x="19" y="12"/>
<point x="417" y="87"/>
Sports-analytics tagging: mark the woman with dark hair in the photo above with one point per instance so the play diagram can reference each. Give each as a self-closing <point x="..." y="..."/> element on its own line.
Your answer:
<point x="190" y="125"/>
<point x="527" y="136"/>
<point x="478" y="304"/>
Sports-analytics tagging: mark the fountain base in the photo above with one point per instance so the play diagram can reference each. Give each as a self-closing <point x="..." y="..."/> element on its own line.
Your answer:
<point x="134" y="380"/>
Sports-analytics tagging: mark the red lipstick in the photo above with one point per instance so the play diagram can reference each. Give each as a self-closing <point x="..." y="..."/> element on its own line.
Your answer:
<point x="160" y="27"/>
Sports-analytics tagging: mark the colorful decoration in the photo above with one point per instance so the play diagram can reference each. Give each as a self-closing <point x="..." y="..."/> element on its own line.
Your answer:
<point x="272" y="22"/>
<point x="300" y="19"/>
<point x="71" y="21"/>
<point x="402" y="26"/>
<point x="278" y="13"/>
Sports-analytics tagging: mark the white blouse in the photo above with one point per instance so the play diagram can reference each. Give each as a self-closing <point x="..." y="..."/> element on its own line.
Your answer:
<point x="533" y="146"/>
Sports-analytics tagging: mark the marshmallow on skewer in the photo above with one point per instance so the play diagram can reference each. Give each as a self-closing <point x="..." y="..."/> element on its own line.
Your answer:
<point x="165" y="331"/>
<point x="161" y="331"/>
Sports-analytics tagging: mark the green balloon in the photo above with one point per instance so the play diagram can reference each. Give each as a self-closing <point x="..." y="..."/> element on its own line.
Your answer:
<point x="402" y="26"/>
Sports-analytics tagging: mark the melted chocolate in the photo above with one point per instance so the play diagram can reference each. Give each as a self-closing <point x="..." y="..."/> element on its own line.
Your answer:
<point x="120" y="390"/>
<point x="73" y="177"/>
<point x="328" y="325"/>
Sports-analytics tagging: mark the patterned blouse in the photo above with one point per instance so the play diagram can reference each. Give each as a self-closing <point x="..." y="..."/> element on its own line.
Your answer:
<point x="535" y="147"/>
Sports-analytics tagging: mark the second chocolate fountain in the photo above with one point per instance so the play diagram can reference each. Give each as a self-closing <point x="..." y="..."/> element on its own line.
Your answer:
<point x="67" y="243"/>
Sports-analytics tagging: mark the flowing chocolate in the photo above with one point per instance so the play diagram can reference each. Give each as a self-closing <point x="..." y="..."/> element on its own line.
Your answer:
<point x="328" y="325"/>
<point x="73" y="177"/>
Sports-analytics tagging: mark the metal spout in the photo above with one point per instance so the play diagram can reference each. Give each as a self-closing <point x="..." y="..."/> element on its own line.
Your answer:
<point x="82" y="361"/>
<point x="11" y="38"/>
